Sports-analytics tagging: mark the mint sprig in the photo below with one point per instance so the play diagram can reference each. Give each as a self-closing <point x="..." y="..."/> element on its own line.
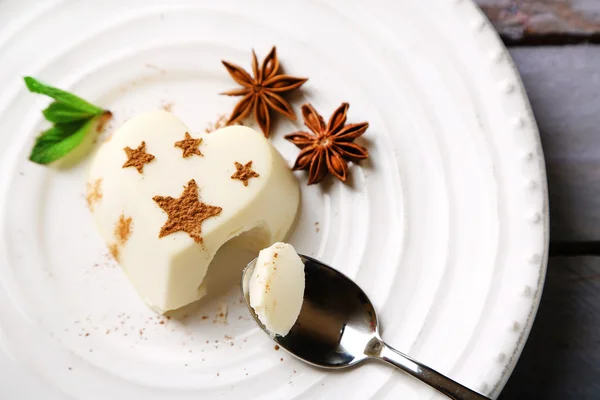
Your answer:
<point x="58" y="141"/>
<point x="72" y="117"/>
<point x="60" y="113"/>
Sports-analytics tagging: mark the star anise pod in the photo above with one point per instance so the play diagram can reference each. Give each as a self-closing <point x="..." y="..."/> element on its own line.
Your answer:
<point x="262" y="93"/>
<point x="329" y="147"/>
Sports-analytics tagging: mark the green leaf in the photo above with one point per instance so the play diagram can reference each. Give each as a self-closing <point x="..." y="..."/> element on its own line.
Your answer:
<point x="59" y="140"/>
<point x="61" y="113"/>
<point x="61" y="96"/>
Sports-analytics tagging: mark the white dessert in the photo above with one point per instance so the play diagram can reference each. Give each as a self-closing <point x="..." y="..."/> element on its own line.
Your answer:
<point x="276" y="287"/>
<point x="132" y="207"/>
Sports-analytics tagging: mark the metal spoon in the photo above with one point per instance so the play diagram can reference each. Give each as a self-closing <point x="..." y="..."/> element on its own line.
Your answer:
<point x="338" y="328"/>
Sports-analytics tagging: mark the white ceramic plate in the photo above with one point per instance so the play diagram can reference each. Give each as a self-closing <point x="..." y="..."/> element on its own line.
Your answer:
<point x="445" y="226"/>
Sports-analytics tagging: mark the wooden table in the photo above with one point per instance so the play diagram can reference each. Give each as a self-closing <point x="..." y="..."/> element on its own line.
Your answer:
<point x="556" y="47"/>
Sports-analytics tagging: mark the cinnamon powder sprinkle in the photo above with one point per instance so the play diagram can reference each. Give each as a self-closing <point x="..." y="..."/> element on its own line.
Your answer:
<point x="185" y="213"/>
<point x="244" y="172"/>
<point x="114" y="251"/>
<point x="108" y="137"/>
<point x="123" y="229"/>
<point x="189" y="145"/>
<point x="221" y="122"/>
<point x="137" y="158"/>
<point x="94" y="193"/>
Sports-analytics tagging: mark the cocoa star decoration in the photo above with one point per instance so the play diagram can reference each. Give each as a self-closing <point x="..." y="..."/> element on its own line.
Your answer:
<point x="185" y="213"/>
<point x="137" y="157"/>
<point x="189" y="145"/>
<point x="262" y="93"/>
<point x="244" y="172"/>
<point x="329" y="147"/>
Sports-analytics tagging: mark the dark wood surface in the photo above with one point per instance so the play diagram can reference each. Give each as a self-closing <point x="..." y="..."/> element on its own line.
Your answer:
<point x="561" y="359"/>
<point x="556" y="47"/>
<point x="563" y="84"/>
<point x="544" y="21"/>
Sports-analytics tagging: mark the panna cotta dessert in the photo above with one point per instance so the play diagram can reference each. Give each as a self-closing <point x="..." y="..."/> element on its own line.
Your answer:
<point x="276" y="288"/>
<point x="166" y="199"/>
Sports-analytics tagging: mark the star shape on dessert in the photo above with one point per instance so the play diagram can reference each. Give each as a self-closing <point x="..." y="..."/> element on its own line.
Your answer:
<point x="137" y="157"/>
<point x="189" y="145"/>
<point x="244" y="172"/>
<point x="186" y="213"/>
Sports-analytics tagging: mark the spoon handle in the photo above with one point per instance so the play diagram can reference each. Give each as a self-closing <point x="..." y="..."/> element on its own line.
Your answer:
<point x="379" y="350"/>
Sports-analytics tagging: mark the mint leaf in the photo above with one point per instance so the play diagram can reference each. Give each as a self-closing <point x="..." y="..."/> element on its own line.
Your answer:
<point x="61" y="96"/>
<point x="61" y="113"/>
<point x="59" y="140"/>
<point x="72" y="117"/>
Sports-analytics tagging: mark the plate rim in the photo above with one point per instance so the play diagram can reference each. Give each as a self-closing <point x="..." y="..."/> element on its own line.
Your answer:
<point x="545" y="215"/>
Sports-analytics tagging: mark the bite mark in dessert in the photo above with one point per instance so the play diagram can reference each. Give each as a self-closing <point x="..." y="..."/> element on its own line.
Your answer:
<point x="94" y="193"/>
<point x="186" y="213"/>
<point x="137" y="157"/>
<point x="244" y="172"/>
<point x="189" y="145"/>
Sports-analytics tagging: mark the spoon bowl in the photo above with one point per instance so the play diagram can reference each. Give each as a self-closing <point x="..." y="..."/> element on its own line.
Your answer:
<point x="338" y="328"/>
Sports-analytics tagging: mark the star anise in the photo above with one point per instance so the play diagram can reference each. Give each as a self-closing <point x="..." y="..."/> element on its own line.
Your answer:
<point x="329" y="147"/>
<point x="262" y="93"/>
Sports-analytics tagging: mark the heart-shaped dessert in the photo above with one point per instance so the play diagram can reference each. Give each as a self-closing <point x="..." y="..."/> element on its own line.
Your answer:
<point x="165" y="200"/>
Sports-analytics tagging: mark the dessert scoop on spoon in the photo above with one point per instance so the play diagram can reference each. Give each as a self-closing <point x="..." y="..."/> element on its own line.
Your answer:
<point x="337" y="328"/>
